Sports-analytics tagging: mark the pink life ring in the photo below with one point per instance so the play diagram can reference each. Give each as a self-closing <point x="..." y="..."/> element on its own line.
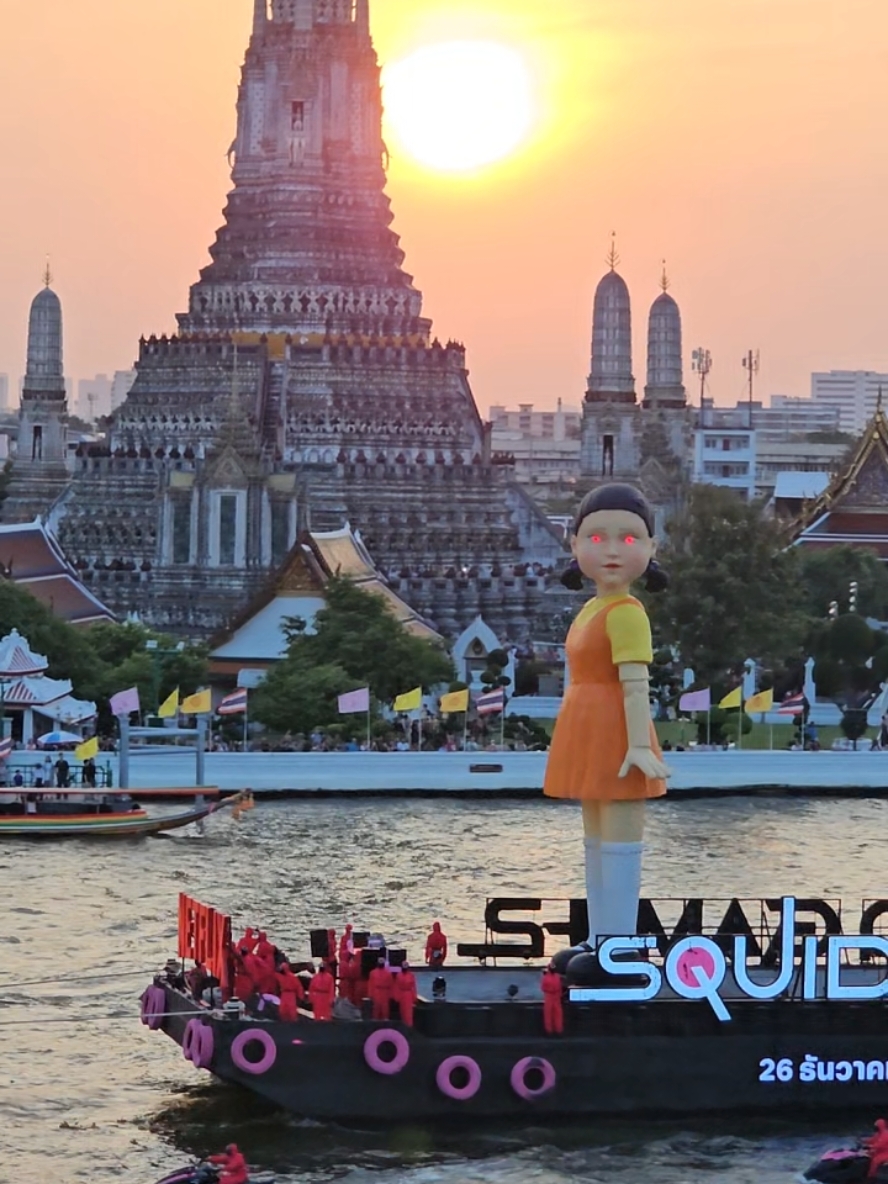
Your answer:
<point x="269" y="1056"/>
<point x="518" y="1078"/>
<point x="444" y="1078"/>
<point x="153" y="1006"/>
<point x="198" y="1044"/>
<point x="373" y="1044"/>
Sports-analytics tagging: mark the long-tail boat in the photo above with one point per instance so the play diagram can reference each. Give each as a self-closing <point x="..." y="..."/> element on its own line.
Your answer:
<point x="40" y="812"/>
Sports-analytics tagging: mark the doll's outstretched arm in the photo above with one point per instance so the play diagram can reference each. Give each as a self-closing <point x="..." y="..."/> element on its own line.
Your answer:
<point x="636" y="704"/>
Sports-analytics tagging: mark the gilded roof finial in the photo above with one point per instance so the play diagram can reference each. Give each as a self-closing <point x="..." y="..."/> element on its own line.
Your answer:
<point x="613" y="258"/>
<point x="664" y="279"/>
<point x="47" y="274"/>
<point x="879" y="401"/>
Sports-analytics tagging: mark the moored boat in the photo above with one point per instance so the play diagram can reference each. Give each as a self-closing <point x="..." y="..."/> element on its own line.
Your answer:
<point x="42" y="812"/>
<point x="722" y="1020"/>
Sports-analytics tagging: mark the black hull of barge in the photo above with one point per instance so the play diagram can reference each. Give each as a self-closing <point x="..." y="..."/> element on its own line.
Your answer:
<point x="665" y="1058"/>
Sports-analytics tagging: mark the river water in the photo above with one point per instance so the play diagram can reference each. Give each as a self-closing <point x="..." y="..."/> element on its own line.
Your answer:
<point x="87" y="1093"/>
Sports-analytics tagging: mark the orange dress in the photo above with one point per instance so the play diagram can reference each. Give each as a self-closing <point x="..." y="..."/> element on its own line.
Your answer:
<point x="590" y="740"/>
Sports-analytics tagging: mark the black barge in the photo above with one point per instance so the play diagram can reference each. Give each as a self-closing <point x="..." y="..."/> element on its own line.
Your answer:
<point x="793" y="1017"/>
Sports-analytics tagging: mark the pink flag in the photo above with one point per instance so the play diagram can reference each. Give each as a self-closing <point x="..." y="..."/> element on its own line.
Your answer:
<point x="695" y="701"/>
<point x="354" y="702"/>
<point x="125" y="701"/>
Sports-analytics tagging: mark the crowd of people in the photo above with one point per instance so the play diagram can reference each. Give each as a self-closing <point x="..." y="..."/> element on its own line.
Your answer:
<point x="356" y="977"/>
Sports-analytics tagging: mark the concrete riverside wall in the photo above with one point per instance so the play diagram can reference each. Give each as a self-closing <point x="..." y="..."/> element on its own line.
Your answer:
<point x="346" y="772"/>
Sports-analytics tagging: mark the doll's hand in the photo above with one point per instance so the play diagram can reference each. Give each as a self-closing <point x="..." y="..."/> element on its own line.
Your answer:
<point x="647" y="761"/>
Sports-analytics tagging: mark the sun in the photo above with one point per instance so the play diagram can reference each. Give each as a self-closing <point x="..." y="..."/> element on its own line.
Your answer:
<point x="458" y="106"/>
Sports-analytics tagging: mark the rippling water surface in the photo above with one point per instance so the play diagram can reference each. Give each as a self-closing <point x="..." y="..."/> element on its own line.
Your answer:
<point x="87" y="1093"/>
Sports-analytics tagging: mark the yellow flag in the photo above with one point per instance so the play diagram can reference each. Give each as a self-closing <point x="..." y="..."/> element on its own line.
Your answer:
<point x="763" y="701"/>
<point x="89" y="748"/>
<point x="199" y="704"/>
<point x="409" y="702"/>
<point x="170" y="706"/>
<point x="456" y="701"/>
<point x="732" y="699"/>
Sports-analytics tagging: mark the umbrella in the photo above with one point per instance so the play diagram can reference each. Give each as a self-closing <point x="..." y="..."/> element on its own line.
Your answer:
<point x="59" y="739"/>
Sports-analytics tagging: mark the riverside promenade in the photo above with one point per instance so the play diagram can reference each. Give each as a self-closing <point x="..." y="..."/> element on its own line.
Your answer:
<point x="862" y="773"/>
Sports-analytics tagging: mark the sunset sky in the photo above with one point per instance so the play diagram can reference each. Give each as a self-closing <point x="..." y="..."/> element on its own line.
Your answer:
<point x="742" y="140"/>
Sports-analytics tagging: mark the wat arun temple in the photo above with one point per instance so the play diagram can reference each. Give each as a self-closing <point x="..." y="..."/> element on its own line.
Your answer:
<point x="303" y="392"/>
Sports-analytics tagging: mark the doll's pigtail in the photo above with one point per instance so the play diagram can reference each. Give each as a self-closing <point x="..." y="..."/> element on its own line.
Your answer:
<point x="572" y="577"/>
<point x="656" y="579"/>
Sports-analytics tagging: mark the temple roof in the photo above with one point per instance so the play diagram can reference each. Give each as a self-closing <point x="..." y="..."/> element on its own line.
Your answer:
<point x="863" y="482"/>
<point x="17" y="658"/>
<point x="297" y="590"/>
<point x="31" y="557"/>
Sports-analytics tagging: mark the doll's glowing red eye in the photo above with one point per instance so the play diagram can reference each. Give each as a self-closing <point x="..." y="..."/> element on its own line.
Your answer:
<point x="596" y="538"/>
<point x="630" y="539"/>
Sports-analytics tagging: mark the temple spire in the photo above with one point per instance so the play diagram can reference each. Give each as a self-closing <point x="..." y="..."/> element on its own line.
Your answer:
<point x="362" y="16"/>
<point x="260" y="17"/>
<point x="664" y="279"/>
<point x="612" y="257"/>
<point x="47" y="274"/>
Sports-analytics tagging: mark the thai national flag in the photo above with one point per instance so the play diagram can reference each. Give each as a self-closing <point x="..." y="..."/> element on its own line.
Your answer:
<point x="792" y="705"/>
<point x="5" y="748"/>
<point x="491" y="702"/>
<point x="234" y="703"/>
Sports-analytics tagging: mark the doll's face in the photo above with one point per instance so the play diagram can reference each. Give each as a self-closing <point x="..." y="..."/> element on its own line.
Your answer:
<point x="613" y="548"/>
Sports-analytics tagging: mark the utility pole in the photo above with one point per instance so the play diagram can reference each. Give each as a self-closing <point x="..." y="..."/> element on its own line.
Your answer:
<point x="751" y="364"/>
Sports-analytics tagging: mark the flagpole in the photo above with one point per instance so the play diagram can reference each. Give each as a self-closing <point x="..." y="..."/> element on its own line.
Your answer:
<point x="245" y="725"/>
<point x="368" y="723"/>
<point x="465" y="728"/>
<point x="503" y="725"/>
<point x="709" y="725"/>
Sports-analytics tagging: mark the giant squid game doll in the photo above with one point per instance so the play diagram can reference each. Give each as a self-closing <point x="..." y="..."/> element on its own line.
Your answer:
<point x="604" y="750"/>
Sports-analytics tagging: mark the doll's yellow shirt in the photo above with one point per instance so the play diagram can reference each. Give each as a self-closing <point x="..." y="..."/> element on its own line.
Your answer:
<point x="627" y="625"/>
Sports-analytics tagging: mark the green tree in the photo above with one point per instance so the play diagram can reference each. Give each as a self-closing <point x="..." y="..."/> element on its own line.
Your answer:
<point x="297" y="697"/>
<point x="732" y="587"/>
<point x="357" y="642"/>
<point x="826" y="575"/>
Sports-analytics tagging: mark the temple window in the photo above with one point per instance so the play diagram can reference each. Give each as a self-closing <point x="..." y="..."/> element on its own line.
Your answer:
<point x="181" y="531"/>
<point x="280" y="531"/>
<point x="37" y="443"/>
<point x="297" y="117"/>
<point x="607" y="456"/>
<point x="227" y="529"/>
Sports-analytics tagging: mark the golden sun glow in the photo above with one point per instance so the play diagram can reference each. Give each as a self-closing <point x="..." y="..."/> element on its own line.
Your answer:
<point x="460" y="105"/>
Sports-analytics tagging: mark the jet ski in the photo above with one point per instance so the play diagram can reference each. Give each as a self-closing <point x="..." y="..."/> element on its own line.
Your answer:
<point x="866" y="1160"/>
<point x="206" y="1173"/>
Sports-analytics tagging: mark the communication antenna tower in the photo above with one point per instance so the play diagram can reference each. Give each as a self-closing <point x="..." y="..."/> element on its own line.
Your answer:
<point x="701" y="361"/>
<point x="751" y="365"/>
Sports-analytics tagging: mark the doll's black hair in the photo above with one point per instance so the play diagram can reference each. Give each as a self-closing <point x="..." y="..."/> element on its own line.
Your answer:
<point x="616" y="497"/>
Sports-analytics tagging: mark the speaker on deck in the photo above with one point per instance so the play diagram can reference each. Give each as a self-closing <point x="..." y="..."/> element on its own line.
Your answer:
<point x="320" y="944"/>
<point x="370" y="960"/>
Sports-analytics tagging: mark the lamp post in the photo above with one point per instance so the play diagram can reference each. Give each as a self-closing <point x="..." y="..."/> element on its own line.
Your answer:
<point x="153" y="647"/>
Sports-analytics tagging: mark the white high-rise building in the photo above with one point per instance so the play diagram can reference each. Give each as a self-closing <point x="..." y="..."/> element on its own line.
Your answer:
<point x="854" y="392"/>
<point x="121" y="385"/>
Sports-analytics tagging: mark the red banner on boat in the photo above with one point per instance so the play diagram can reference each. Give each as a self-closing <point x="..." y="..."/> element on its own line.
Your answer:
<point x="204" y="936"/>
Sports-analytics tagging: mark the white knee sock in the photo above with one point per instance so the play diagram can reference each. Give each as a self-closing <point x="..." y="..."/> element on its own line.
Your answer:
<point x="593" y="887"/>
<point x="620" y="889"/>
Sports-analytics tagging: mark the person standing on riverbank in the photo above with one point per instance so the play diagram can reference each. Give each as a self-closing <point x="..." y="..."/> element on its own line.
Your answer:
<point x="604" y="749"/>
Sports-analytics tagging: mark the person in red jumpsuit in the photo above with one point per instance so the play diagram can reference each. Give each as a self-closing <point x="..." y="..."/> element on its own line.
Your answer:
<point x="291" y="992"/>
<point x="553" y="1008"/>
<point x="358" y="982"/>
<point x="347" y="971"/>
<point x="244" y="986"/>
<point x="329" y="959"/>
<point x="345" y="946"/>
<point x="436" y="947"/>
<point x="233" y="1164"/>
<point x="250" y="939"/>
<point x="320" y="991"/>
<point x="405" y="994"/>
<point x="264" y="948"/>
<point x="380" y="990"/>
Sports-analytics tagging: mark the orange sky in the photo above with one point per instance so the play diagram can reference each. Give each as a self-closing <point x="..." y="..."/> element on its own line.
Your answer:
<point x="741" y="139"/>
